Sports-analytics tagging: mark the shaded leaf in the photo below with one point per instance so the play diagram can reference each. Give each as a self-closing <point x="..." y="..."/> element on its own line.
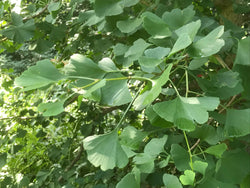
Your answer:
<point x="243" y="55"/>
<point x="128" y="26"/>
<point x="107" y="8"/>
<point x="132" y="137"/>
<point x="128" y="181"/>
<point x="180" y="157"/>
<point x="155" y="26"/>
<point x="3" y="159"/>
<point x="177" y="18"/>
<point x="190" y="29"/>
<point x="105" y="151"/>
<point x="217" y="150"/>
<point x="237" y="122"/>
<point x="197" y="63"/>
<point x="157" y="53"/>
<point x="233" y="167"/>
<point x="40" y="75"/>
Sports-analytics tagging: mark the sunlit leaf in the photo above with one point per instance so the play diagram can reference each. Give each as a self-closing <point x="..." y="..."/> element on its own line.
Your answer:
<point x="105" y="151"/>
<point x="182" y="42"/>
<point x="200" y="166"/>
<point x="208" y="45"/>
<point x="187" y="178"/>
<point x="243" y="55"/>
<point x="184" y="111"/>
<point x="171" y="181"/>
<point x="144" y="162"/>
<point x="40" y="75"/>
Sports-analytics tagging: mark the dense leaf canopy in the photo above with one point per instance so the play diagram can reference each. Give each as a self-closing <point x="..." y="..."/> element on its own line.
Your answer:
<point x="124" y="93"/>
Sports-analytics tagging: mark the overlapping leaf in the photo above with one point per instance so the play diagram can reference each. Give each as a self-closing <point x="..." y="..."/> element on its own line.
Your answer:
<point x="40" y="75"/>
<point x="171" y="181"/>
<point x="105" y="151"/>
<point x="20" y="31"/>
<point x="184" y="111"/>
<point x="209" y="44"/>
<point x="155" y="26"/>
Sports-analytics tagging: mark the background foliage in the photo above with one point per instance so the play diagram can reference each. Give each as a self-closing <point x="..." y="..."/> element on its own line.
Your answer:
<point x="125" y="93"/>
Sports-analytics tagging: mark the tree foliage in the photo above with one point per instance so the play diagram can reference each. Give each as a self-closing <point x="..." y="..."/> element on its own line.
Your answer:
<point x="124" y="93"/>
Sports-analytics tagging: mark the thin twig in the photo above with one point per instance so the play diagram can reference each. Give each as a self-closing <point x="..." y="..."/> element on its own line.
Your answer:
<point x="196" y="143"/>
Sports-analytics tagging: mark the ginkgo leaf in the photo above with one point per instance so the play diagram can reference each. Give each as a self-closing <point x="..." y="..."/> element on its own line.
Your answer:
<point x="20" y="31"/>
<point x="209" y="44"/>
<point x="52" y="108"/>
<point x="155" y="26"/>
<point x="105" y="151"/>
<point x="184" y="111"/>
<point x="40" y="75"/>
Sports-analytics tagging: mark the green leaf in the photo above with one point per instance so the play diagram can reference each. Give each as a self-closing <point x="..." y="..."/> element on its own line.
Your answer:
<point x="132" y="138"/>
<point x="157" y="53"/>
<point x="155" y="119"/>
<point x="217" y="150"/>
<point x="233" y="167"/>
<point x="184" y="111"/>
<point x="157" y="86"/>
<point x="205" y="133"/>
<point x="243" y="55"/>
<point x="227" y="79"/>
<point x="40" y="75"/>
<point x="200" y="166"/>
<point x="108" y="7"/>
<point x="155" y="26"/>
<point x="209" y="44"/>
<point x="197" y="63"/>
<point x="144" y="162"/>
<point x="52" y="108"/>
<point x="129" y="26"/>
<point x="128" y="181"/>
<point x="177" y="18"/>
<point x="83" y="69"/>
<point x="237" y="122"/>
<point x="181" y="43"/>
<point x="20" y="32"/>
<point x="155" y="146"/>
<point x="115" y="92"/>
<point x="54" y="6"/>
<point x="187" y="178"/>
<point x="3" y="159"/>
<point x="135" y="51"/>
<point x="105" y="151"/>
<point x="190" y="29"/>
<point x="120" y="49"/>
<point x="129" y="3"/>
<point x="107" y="65"/>
<point x="180" y="157"/>
<point x="212" y="182"/>
<point x="171" y="181"/>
